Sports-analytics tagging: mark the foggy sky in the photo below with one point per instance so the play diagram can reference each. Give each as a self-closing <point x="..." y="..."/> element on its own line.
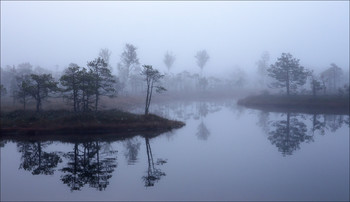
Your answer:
<point x="233" y="33"/>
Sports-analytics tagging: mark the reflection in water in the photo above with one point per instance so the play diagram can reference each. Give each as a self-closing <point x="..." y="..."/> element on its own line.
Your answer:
<point x="88" y="164"/>
<point x="132" y="147"/>
<point x="153" y="174"/>
<point x="92" y="163"/>
<point x="317" y="124"/>
<point x="288" y="134"/>
<point x="202" y="131"/>
<point x="3" y="143"/>
<point x="263" y="117"/>
<point x="334" y="122"/>
<point x="35" y="159"/>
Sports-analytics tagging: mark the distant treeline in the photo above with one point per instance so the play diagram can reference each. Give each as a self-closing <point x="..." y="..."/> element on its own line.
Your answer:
<point x="83" y="87"/>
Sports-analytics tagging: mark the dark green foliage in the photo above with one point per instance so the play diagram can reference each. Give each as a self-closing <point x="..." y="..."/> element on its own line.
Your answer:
<point x="3" y="90"/>
<point x="24" y="88"/>
<point x="288" y="73"/>
<point x="152" y="78"/>
<point x="102" y="79"/>
<point x="71" y="82"/>
<point x="41" y="87"/>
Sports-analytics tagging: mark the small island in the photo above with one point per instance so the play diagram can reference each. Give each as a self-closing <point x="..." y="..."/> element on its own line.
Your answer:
<point x="64" y="123"/>
<point x="83" y="90"/>
<point x="298" y="103"/>
<point x="326" y="93"/>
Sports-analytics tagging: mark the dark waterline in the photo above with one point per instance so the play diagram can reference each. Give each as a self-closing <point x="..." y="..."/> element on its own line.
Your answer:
<point x="225" y="152"/>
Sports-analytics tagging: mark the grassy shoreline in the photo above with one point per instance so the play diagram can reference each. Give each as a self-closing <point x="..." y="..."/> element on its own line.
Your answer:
<point x="298" y="103"/>
<point x="64" y="123"/>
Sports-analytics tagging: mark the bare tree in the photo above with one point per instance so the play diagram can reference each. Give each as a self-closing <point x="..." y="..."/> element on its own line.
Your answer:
<point x="169" y="60"/>
<point x="202" y="58"/>
<point x="128" y="61"/>
<point x="262" y="67"/>
<point x="152" y="78"/>
<point x="105" y="54"/>
<point x="316" y="84"/>
<point x="332" y="77"/>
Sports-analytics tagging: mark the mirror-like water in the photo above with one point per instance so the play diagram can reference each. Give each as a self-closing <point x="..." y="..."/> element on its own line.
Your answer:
<point x="225" y="152"/>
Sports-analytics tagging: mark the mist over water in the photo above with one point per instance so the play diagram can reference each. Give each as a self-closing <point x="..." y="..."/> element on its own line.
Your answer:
<point x="247" y="155"/>
<point x="259" y="86"/>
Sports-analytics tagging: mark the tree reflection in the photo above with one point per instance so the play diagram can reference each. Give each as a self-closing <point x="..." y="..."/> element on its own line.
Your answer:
<point x="263" y="117"/>
<point x="3" y="143"/>
<point x="202" y="131"/>
<point x="89" y="164"/>
<point x="132" y="147"/>
<point x="36" y="160"/>
<point x="317" y="124"/>
<point x="334" y="122"/>
<point x="288" y="134"/>
<point x="153" y="174"/>
<point x="73" y="169"/>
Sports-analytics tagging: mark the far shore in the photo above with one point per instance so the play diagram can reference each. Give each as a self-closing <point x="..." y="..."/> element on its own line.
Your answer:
<point x="298" y="103"/>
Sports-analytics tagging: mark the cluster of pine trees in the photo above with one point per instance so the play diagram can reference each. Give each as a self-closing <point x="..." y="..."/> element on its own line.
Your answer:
<point x="81" y="87"/>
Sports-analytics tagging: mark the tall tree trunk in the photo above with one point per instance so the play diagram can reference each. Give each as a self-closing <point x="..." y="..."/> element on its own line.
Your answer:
<point x="150" y="97"/>
<point x="24" y="103"/>
<point x="96" y="101"/>
<point x="287" y="82"/>
<point x="147" y="96"/>
<point x="38" y="99"/>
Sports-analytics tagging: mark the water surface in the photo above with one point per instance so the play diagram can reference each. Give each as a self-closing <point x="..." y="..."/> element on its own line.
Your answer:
<point x="225" y="152"/>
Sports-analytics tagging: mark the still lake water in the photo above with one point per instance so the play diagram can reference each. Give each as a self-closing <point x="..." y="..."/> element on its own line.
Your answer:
<point x="225" y="152"/>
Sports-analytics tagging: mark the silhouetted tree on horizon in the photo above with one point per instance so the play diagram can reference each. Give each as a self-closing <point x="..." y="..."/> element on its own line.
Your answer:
<point x="103" y="81"/>
<point x="202" y="59"/>
<point x="288" y="73"/>
<point x="169" y="60"/>
<point x="152" y="78"/>
<point x="129" y="61"/>
<point x="41" y="87"/>
<point x="332" y="78"/>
